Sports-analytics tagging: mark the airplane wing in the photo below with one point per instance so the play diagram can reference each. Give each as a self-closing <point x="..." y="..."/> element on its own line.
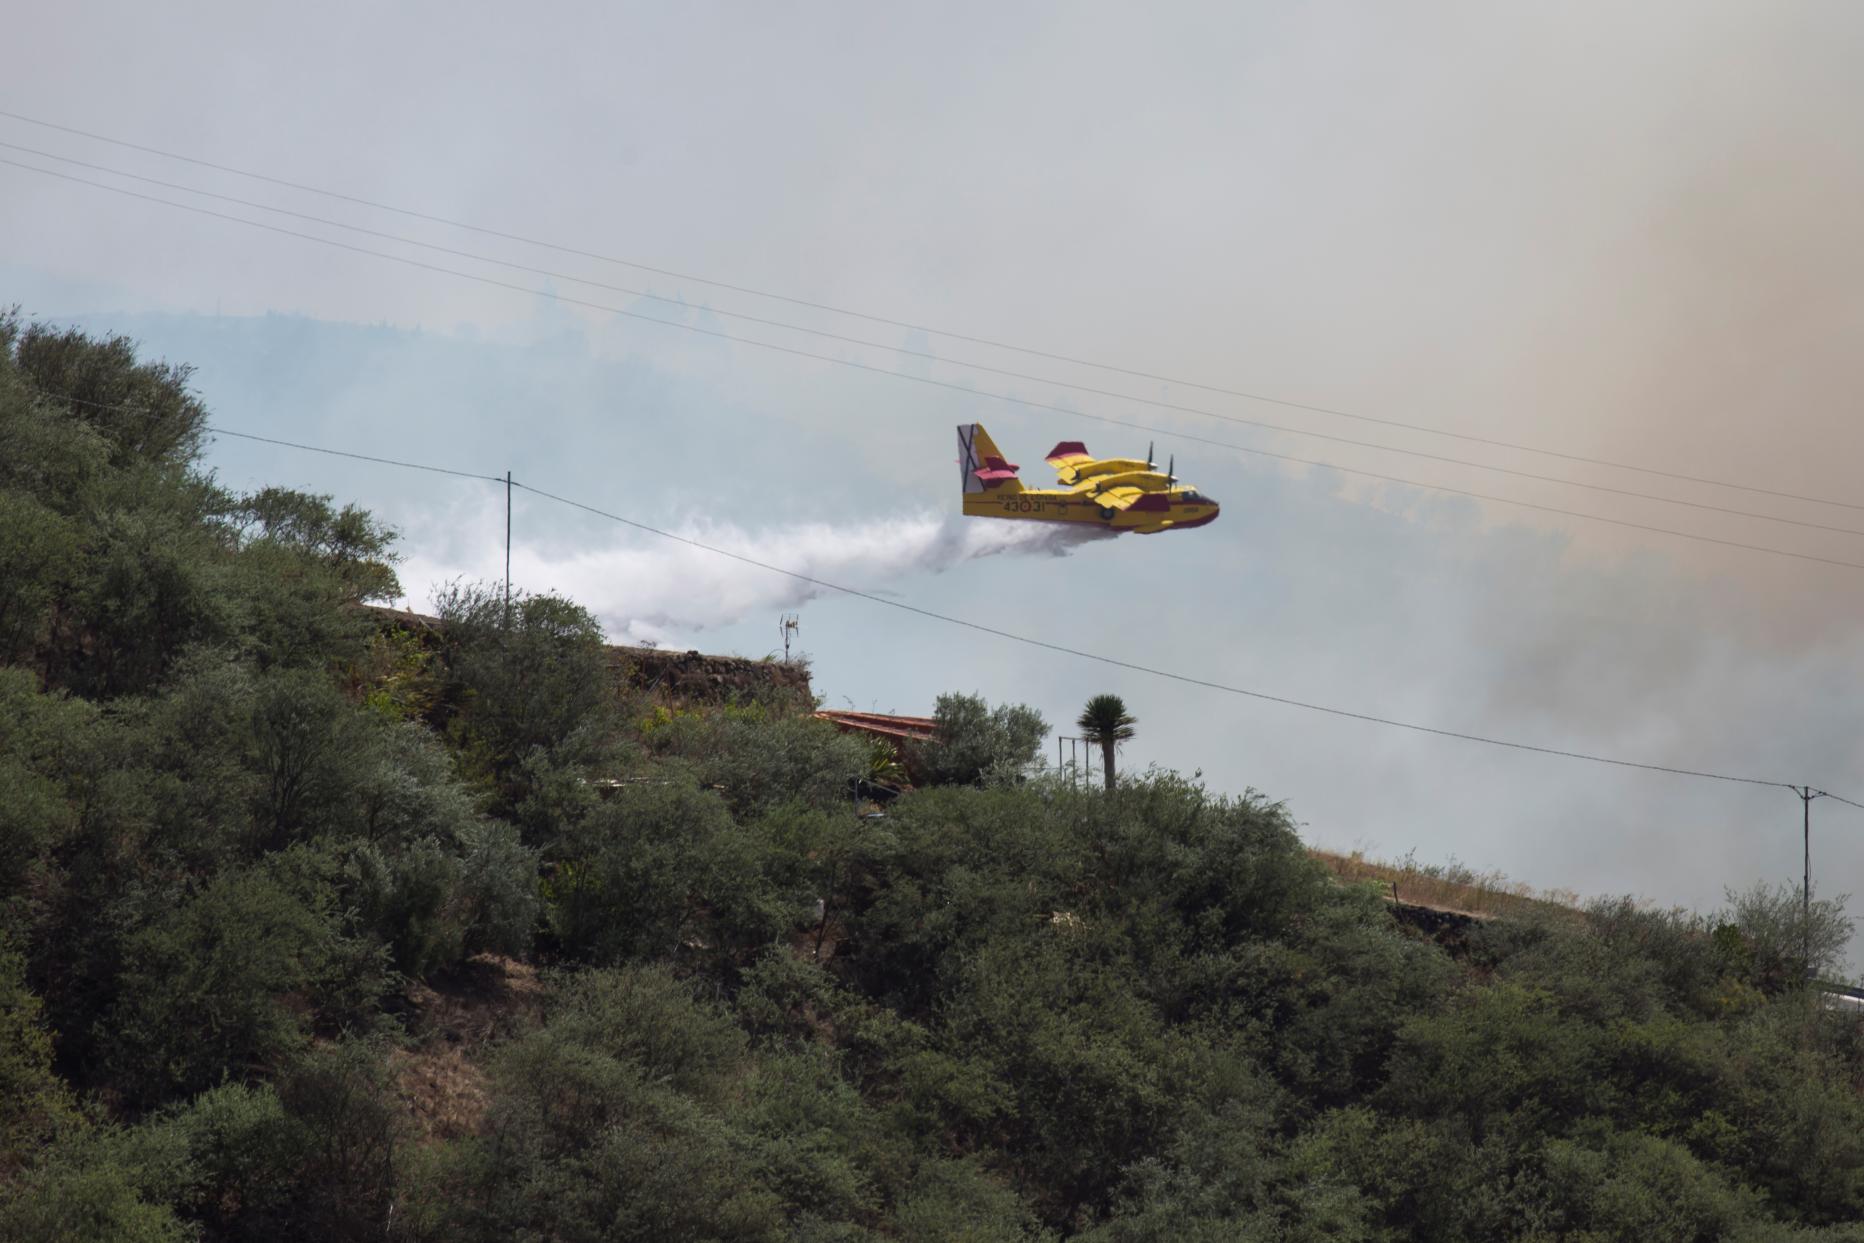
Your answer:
<point x="1067" y="455"/>
<point x="1119" y="498"/>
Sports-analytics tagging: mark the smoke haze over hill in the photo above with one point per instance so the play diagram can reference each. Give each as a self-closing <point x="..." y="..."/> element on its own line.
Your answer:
<point x="1621" y="232"/>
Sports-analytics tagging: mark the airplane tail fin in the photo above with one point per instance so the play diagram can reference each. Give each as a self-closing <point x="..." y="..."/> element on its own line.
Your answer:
<point x="981" y="465"/>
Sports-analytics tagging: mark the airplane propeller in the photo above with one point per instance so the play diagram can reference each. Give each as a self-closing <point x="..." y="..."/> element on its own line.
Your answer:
<point x="1150" y="464"/>
<point x="1170" y="478"/>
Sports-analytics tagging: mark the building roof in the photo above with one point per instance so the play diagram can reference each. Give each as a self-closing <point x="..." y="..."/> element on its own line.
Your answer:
<point x="883" y="725"/>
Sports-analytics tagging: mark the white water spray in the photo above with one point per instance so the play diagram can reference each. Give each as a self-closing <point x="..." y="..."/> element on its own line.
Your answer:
<point x="652" y="589"/>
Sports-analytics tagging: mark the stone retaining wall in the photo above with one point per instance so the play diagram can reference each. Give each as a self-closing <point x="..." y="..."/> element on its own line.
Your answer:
<point x="684" y="677"/>
<point x="697" y="677"/>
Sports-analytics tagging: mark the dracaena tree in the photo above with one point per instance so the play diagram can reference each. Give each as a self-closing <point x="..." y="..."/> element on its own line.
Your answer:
<point x="1105" y="721"/>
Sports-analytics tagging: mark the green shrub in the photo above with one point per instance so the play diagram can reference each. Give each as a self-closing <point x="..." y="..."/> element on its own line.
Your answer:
<point x="521" y="678"/>
<point x="662" y="871"/>
<point x="976" y="743"/>
<point x="35" y="1104"/>
<point x="226" y="983"/>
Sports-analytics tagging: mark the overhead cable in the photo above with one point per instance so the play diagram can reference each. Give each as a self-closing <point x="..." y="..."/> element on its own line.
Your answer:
<point x="894" y="603"/>
<point x="1063" y="649"/>
<point x="272" y="440"/>
<point x="363" y="457"/>
<point x="905" y="324"/>
<point x="928" y="380"/>
<point x="938" y="358"/>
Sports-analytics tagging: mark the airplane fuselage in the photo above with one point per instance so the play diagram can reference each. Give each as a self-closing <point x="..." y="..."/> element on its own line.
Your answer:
<point x="1173" y="510"/>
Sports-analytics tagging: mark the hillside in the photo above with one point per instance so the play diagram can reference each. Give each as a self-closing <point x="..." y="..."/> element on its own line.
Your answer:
<point x="316" y="923"/>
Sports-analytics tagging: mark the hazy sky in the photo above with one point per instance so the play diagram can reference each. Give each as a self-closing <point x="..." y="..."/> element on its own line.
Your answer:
<point x="1627" y="232"/>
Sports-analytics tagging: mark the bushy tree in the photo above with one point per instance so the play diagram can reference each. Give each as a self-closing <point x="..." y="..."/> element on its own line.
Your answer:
<point x="958" y="1199"/>
<point x="660" y="870"/>
<point x="349" y="542"/>
<point x="524" y="678"/>
<point x="81" y="1203"/>
<point x="349" y="1136"/>
<point x="42" y="738"/>
<point x="436" y="901"/>
<point x="142" y="410"/>
<point x="37" y="547"/>
<point x="606" y="1124"/>
<point x="760" y="759"/>
<point x="103" y="1182"/>
<point x="35" y="1104"/>
<point x="1780" y="940"/>
<point x="207" y="986"/>
<point x="976" y="743"/>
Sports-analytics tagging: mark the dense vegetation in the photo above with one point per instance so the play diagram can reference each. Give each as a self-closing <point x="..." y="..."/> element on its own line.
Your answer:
<point x="313" y="929"/>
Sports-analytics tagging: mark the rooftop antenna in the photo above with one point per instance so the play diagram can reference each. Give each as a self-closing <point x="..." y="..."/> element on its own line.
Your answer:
<point x="788" y="625"/>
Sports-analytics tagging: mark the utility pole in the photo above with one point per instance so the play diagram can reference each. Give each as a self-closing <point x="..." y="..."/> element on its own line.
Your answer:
<point x="1806" y="795"/>
<point x="507" y="547"/>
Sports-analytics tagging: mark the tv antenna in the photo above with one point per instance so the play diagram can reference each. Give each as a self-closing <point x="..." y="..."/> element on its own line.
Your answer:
<point x="787" y="625"/>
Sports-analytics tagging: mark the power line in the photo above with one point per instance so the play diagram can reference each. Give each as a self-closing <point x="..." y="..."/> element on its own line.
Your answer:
<point x="1013" y="637"/>
<point x="948" y="619"/>
<point x="1146" y="669"/>
<point x="936" y="383"/>
<point x="927" y="354"/>
<point x="363" y="457"/>
<point x="905" y="324"/>
<point x="271" y="440"/>
<point x="901" y="605"/>
<point x="1854" y="565"/>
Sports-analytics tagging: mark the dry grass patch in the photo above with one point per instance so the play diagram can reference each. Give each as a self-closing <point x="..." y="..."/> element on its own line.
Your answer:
<point x="453" y="1018"/>
<point x="1448" y="887"/>
<point x="443" y="1089"/>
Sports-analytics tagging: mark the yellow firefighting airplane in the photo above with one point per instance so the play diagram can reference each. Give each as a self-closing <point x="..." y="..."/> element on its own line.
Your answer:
<point x="1118" y="494"/>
